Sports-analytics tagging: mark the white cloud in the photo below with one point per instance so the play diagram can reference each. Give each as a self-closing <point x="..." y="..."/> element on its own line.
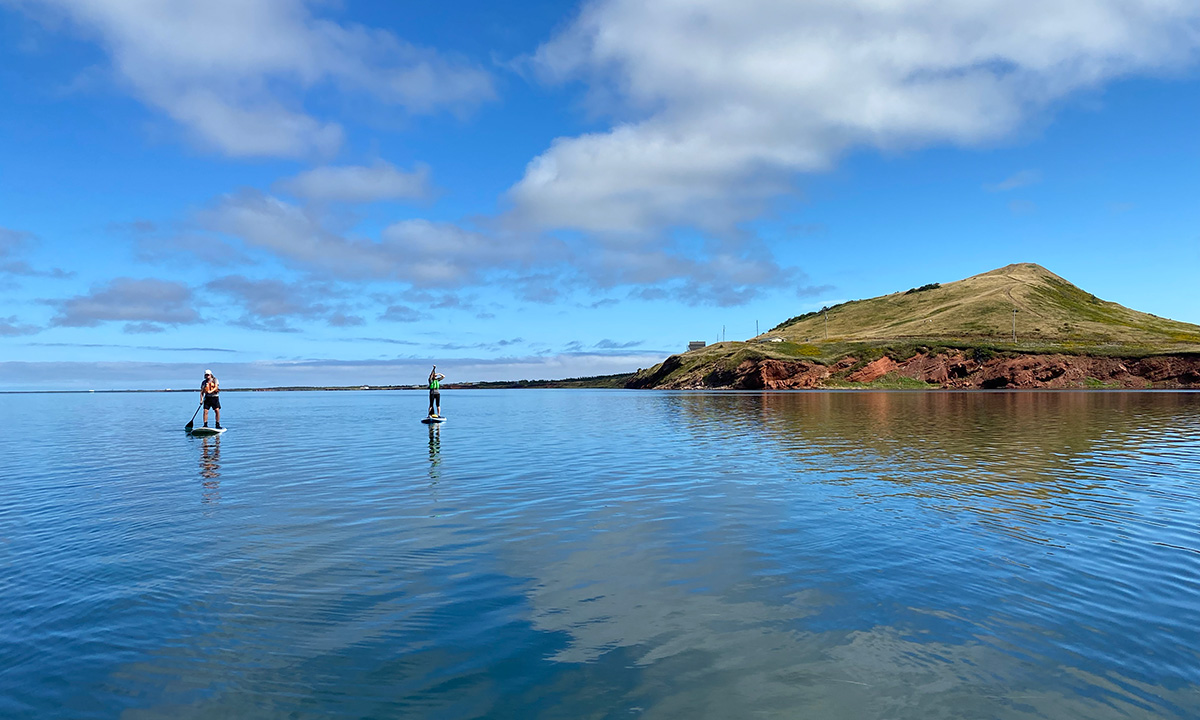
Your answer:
<point x="264" y="129"/>
<point x="420" y="252"/>
<point x="135" y="301"/>
<point x="358" y="183"/>
<point x="234" y="72"/>
<point x="731" y="99"/>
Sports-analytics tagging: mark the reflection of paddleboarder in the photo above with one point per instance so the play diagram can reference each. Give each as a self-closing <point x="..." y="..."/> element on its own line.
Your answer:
<point x="435" y="451"/>
<point x="210" y="471"/>
<point x="210" y="459"/>
<point x="435" y="395"/>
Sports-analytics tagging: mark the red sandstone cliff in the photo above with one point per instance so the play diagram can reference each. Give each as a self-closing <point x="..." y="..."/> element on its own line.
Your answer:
<point x="950" y="370"/>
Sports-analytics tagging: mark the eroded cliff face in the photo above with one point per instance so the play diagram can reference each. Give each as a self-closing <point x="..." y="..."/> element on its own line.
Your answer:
<point x="949" y="370"/>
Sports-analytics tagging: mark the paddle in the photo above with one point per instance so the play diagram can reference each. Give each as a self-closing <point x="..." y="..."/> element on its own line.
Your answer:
<point x="193" y="420"/>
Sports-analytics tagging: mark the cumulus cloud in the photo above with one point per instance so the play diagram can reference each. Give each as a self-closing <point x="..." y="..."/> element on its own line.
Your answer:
<point x="11" y="327"/>
<point x="134" y="301"/>
<point x="234" y="72"/>
<point x="341" y="319"/>
<point x="358" y="183"/>
<point x="423" y="253"/>
<point x="536" y="266"/>
<point x="780" y="88"/>
<point x="270" y="304"/>
<point x="400" y="313"/>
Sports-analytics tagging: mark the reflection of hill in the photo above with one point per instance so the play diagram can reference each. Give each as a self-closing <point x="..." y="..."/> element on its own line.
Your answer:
<point x="1011" y="457"/>
<point x="869" y="555"/>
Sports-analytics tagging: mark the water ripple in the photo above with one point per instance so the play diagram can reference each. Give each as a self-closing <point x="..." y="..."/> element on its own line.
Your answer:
<point x="565" y="554"/>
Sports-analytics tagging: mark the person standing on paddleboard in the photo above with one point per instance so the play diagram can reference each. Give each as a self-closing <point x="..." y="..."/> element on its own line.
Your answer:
<point x="435" y="395"/>
<point x="210" y="391"/>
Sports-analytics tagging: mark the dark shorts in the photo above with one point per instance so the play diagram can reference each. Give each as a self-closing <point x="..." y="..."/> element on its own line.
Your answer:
<point x="434" y="396"/>
<point x="212" y="402"/>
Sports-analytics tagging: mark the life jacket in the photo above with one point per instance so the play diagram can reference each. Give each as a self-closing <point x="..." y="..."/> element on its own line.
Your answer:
<point x="434" y="384"/>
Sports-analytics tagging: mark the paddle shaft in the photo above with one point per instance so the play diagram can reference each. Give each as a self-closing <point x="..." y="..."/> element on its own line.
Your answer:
<point x="193" y="420"/>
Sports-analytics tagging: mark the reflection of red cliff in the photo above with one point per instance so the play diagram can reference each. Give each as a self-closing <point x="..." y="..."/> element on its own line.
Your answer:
<point x="957" y="370"/>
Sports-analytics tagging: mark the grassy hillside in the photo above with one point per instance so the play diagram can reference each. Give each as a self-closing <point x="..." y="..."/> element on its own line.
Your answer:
<point x="1052" y="314"/>
<point x="973" y="315"/>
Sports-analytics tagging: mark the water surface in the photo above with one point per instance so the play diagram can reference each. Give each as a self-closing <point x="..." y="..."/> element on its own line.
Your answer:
<point x="603" y="554"/>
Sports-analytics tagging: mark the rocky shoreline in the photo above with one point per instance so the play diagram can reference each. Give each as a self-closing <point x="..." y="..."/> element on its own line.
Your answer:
<point x="955" y="370"/>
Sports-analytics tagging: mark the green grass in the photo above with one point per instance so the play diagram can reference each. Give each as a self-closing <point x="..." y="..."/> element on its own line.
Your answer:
<point x="972" y="316"/>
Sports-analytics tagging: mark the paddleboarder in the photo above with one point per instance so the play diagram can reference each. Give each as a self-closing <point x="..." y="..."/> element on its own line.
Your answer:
<point x="210" y="391"/>
<point x="435" y="395"/>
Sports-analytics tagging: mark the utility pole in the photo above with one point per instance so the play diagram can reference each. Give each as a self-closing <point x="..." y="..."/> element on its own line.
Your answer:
<point x="1014" y="326"/>
<point x="722" y="333"/>
<point x="825" y="312"/>
<point x="755" y="328"/>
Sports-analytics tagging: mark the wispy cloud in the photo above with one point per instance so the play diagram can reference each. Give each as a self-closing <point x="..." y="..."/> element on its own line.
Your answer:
<point x="11" y="327"/>
<point x="607" y="344"/>
<point x="156" y="348"/>
<point x="270" y="304"/>
<point x="423" y="253"/>
<point x="14" y="243"/>
<point x="13" y="240"/>
<point x="1019" y="180"/>
<point x="358" y="183"/>
<point x="1022" y="207"/>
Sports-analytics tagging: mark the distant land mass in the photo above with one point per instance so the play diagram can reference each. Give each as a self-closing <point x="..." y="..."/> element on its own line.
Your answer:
<point x="1020" y="326"/>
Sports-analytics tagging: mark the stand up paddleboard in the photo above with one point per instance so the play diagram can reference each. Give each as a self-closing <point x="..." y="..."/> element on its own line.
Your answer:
<point x="431" y="419"/>
<point x="206" y="431"/>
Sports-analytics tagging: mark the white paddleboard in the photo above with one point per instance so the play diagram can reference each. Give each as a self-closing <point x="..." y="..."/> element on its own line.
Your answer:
<point x="206" y="431"/>
<point x="429" y="420"/>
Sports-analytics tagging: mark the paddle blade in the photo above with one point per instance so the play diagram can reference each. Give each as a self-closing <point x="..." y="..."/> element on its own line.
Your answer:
<point x="189" y="425"/>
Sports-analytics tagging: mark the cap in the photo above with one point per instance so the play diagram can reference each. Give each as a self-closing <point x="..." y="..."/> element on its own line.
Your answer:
<point x="208" y="372"/>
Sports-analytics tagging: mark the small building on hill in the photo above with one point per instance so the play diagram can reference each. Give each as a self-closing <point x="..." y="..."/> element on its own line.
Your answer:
<point x="696" y="345"/>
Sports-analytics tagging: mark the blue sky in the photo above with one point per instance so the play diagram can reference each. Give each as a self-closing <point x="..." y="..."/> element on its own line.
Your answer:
<point x="342" y="193"/>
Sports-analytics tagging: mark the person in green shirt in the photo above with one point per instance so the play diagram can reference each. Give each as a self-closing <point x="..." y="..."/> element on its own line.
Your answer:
<point x="435" y="395"/>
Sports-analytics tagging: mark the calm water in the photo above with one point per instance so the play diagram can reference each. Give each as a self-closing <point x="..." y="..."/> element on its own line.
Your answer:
<point x="592" y="554"/>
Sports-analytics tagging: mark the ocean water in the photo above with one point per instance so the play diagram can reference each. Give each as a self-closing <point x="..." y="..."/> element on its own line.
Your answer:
<point x="602" y="554"/>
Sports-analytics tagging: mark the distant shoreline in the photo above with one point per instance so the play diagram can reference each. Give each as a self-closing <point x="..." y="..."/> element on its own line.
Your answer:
<point x="599" y="381"/>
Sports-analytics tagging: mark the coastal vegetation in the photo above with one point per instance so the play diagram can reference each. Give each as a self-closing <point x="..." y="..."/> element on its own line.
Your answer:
<point x="1017" y="326"/>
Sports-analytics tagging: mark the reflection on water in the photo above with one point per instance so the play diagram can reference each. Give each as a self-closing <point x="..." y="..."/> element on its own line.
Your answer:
<point x="435" y="450"/>
<point x="1018" y="460"/>
<point x="609" y="554"/>
<point x="210" y="469"/>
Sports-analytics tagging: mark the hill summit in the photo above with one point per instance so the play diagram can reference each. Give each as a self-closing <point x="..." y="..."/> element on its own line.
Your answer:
<point x="1024" y="302"/>
<point x="1017" y="326"/>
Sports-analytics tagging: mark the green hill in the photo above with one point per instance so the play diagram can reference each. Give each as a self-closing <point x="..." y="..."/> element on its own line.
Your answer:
<point x="1049" y="312"/>
<point x="974" y="316"/>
